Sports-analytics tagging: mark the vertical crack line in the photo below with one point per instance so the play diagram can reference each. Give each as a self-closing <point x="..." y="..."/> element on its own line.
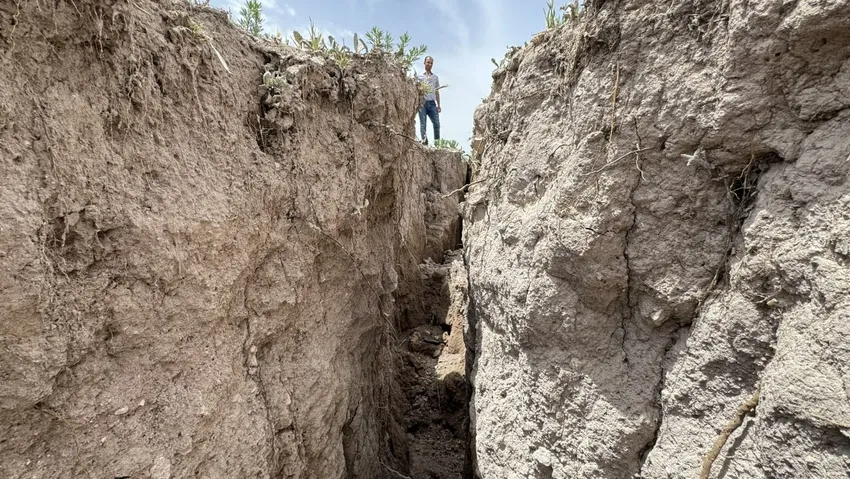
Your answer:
<point x="629" y="314"/>
<point x="629" y="318"/>
<point x="249" y="354"/>
<point x="659" y="387"/>
<point x="638" y="147"/>
<point x="258" y="379"/>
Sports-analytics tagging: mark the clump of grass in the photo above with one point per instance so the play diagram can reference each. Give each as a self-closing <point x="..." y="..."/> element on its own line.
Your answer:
<point x="380" y="41"/>
<point x="570" y="13"/>
<point x="447" y="144"/>
<point x="197" y="32"/>
<point x="451" y="145"/>
<point x="314" y="42"/>
<point x="341" y="54"/>
<point x="196" y="29"/>
<point x="552" y="19"/>
<point x="377" y="41"/>
<point x="425" y="87"/>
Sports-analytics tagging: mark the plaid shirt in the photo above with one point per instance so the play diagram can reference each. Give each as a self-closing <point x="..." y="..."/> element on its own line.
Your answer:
<point x="432" y="80"/>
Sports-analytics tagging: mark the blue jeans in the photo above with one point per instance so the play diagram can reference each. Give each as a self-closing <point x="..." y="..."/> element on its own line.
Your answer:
<point x="430" y="109"/>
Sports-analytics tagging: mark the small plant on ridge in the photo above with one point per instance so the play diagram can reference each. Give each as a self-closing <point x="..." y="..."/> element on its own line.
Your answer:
<point x="274" y="81"/>
<point x="571" y="12"/>
<point x="379" y="40"/>
<point x="315" y="41"/>
<point x="447" y="144"/>
<point x="341" y="54"/>
<point x="251" y="17"/>
<point x="408" y="56"/>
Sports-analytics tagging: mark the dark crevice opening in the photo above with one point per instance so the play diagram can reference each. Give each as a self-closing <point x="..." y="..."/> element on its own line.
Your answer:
<point x="433" y="376"/>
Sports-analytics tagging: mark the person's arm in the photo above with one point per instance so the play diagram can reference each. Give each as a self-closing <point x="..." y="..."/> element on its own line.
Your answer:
<point x="437" y="95"/>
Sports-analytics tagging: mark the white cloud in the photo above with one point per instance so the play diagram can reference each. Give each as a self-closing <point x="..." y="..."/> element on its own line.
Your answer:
<point x="289" y="10"/>
<point x="493" y="19"/>
<point x="449" y="10"/>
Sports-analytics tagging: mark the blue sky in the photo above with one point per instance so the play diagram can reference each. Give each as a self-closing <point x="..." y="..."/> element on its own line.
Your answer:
<point x="462" y="36"/>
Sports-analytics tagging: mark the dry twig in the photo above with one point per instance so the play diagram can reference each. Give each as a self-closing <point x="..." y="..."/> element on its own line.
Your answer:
<point x="464" y="187"/>
<point x="614" y="98"/>
<point x="638" y="146"/>
<point x="617" y="160"/>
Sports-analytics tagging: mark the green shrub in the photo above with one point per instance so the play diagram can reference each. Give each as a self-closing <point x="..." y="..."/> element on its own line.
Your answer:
<point x="251" y="17"/>
<point x="408" y="56"/>
<point x="379" y="40"/>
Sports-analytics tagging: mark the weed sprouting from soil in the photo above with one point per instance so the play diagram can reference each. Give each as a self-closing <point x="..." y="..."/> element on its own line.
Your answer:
<point x="315" y="41"/>
<point x="570" y="13"/>
<point x="251" y="17"/>
<point x="377" y="42"/>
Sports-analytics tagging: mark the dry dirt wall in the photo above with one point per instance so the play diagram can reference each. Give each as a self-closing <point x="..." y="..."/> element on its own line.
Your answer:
<point x="198" y="276"/>
<point x="661" y="232"/>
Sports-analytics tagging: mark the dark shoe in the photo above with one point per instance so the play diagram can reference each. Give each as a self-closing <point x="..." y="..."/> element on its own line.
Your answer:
<point x="425" y="142"/>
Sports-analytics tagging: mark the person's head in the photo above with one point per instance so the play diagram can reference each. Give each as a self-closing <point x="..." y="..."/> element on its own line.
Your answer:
<point x="429" y="62"/>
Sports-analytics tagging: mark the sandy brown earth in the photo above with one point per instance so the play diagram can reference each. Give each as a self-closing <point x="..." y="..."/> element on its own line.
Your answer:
<point x="200" y="276"/>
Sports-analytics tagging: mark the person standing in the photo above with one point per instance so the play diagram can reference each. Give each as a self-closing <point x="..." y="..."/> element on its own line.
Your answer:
<point x="431" y="108"/>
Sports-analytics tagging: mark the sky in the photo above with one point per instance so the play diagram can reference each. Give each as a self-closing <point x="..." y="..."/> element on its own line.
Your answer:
<point x="461" y="35"/>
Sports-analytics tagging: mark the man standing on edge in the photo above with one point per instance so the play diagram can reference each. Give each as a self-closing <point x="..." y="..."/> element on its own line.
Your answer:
<point x="431" y="108"/>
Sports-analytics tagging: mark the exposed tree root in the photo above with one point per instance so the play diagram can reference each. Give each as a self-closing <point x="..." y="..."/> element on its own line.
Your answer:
<point x="734" y="424"/>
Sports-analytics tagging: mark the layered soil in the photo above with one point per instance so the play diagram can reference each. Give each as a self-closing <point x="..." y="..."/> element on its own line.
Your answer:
<point x="657" y="235"/>
<point x="201" y="274"/>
